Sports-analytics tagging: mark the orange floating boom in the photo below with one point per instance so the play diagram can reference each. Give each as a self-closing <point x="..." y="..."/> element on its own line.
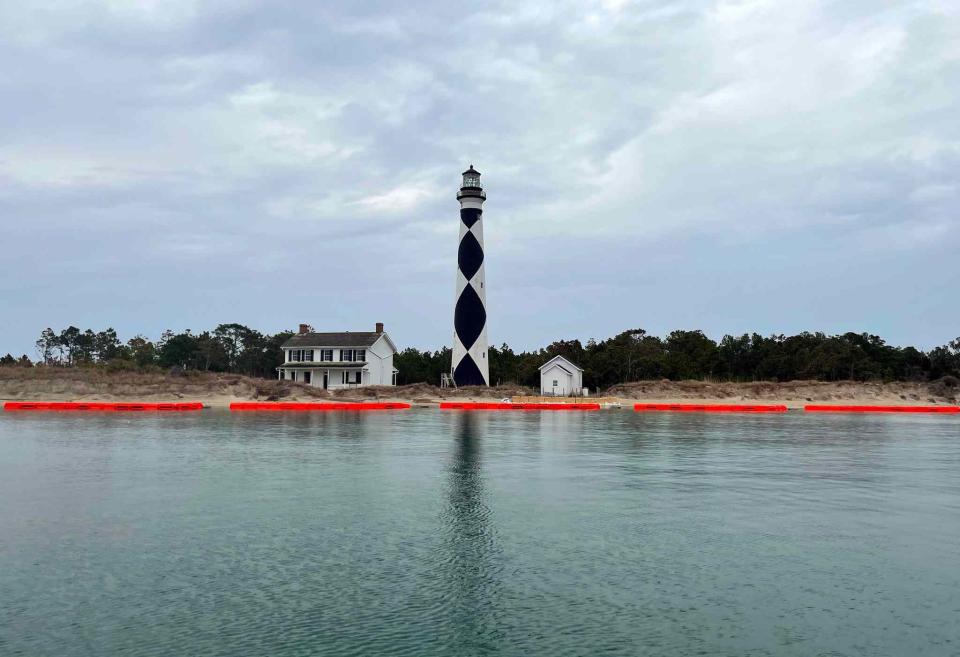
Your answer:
<point x="505" y="406"/>
<point x="102" y="406"/>
<point x="318" y="406"/>
<point x="881" y="409"/>
<point x="712" y="408"/>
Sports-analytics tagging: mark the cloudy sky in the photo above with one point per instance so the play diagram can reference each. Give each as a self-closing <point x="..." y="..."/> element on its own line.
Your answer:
<point x="733" y="166"/>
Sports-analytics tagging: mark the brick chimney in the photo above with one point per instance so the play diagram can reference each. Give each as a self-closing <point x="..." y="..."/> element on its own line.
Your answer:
<point x="379" y="327"/>
<point x="304" y="329"/>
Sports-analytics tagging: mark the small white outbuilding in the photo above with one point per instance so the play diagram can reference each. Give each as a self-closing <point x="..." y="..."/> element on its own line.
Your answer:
<point x="560" y="378"/>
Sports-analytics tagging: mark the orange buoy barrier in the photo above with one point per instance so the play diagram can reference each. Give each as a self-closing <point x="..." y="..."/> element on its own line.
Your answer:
<point x="318" y="406"/>
<point x="881" y="409"/>
<point x="102" y="406"/>
<point x="506" y="406"/>
<point x="712" y="408"/>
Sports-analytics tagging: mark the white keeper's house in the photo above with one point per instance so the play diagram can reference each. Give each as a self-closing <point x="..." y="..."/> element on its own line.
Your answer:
<point x="339" y="360"/>
<point x="560" y="378"/>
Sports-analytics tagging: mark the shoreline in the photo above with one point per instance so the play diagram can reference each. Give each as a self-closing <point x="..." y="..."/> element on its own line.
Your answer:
<point x="223" y="403"/>
<point x="218" y="404"/>
<point x="217" y="391"/>
<point x="625" y="404"/>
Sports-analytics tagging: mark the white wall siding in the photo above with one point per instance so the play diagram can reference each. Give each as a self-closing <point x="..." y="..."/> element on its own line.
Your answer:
<point x="380" y="362"/>
<point x="377" y="371"/>
<point x="569" y="379"/>
<point x="555" y="373"/>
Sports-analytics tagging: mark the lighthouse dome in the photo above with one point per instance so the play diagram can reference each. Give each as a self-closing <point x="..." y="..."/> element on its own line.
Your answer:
<point x="471" y="178"/>
<point x="471" y="185"/>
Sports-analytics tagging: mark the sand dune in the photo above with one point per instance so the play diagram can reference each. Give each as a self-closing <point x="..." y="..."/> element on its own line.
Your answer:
<point x="87" y="384"/>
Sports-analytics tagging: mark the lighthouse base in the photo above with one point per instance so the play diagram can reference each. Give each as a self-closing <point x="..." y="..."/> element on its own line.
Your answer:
<point x="467" y="373"/>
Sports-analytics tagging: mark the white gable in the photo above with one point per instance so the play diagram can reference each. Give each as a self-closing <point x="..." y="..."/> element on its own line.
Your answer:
<point x="558" y="376"/>
<point x="563" y="362"/>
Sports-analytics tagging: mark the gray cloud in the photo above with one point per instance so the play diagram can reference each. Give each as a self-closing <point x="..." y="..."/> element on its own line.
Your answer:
<point x="755" y="165"/>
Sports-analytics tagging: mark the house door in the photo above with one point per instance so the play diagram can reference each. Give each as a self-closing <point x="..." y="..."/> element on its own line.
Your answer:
<point x="307" y="376"/>
<point x="325" y="377"/>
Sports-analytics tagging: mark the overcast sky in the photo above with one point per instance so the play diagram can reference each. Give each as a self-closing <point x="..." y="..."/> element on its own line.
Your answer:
<point x="755" y="165"/>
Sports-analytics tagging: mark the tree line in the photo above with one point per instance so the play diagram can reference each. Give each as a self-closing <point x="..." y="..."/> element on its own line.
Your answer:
<point x="632" y="355"/>
<point x="635" y="356"/>
<point x="227" y="348"/>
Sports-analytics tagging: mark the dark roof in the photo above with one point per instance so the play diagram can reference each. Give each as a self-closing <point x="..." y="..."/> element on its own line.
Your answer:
<point x="348" y="339"/>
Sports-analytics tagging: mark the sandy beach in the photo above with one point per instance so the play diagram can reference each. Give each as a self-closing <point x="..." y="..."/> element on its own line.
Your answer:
<point x="218" y="390"/>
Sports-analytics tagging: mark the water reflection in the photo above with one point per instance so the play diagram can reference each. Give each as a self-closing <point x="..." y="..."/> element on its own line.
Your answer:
<point x="427" y="534"/>
<point x="471" y="555"/>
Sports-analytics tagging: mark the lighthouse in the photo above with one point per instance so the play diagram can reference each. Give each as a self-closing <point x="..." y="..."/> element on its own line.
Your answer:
<point x="470" y="366"/>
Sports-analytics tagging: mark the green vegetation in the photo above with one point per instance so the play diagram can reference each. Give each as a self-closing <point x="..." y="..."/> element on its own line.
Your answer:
<point x="635" y="355"/>
<point x="228" y="348"/>
<point x="630" y="356"/>
<point x="10" y="361"/>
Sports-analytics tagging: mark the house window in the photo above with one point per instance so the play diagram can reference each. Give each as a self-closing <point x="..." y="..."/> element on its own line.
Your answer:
<point x="350" y="377"/>
<point x="353" y="355"/>
<point x="295" y="355"/>
<point x="326" y="355"/>
<point x="308" y="355"/>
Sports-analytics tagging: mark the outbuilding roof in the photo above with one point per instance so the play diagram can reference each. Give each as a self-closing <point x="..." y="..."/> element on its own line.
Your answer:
<point x="557" y="360"/>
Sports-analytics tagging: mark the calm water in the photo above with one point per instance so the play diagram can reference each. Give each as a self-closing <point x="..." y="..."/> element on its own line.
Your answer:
<point x="429" y="533"/>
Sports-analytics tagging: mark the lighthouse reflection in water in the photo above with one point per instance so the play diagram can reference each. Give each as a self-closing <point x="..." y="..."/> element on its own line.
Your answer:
<point x="429" y="533"/>
<point x="471" y="559"/>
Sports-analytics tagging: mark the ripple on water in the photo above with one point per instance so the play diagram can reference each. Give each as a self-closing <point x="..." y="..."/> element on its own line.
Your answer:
<point x="472" y="534"/>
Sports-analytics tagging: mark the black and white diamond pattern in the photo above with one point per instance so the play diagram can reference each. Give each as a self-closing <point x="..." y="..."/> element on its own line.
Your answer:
<point x="470" y="366"/>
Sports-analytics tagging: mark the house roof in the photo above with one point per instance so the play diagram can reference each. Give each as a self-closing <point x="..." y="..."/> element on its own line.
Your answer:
<point x="560" y="360"/>
<point x="345" y="339"/>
